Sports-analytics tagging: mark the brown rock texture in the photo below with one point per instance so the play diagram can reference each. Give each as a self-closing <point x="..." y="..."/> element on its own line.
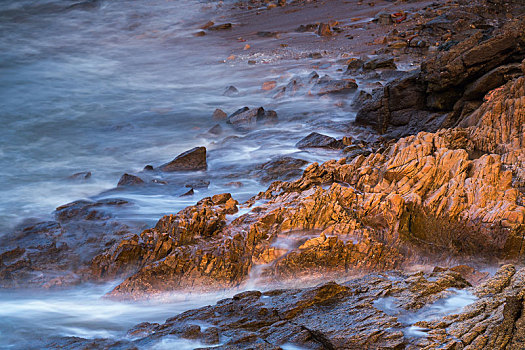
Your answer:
<point x="456" y="193"/>
<point x="378" y="311"/>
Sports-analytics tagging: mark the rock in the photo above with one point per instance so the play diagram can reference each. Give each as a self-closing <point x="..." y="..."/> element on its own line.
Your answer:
<point x="316" y="140"/>
<point x="248" y="119"/>
<point x="85" y="175"/>
<point x="198" y="184"/>
<point x="269" y="85"/>
<point x="426" y="195"/>
<point x="344" y="315"/>
<point x="219" y="115"/>
<point x="129" y="180"/>
<point x="189" y="193"/>
<point x="222" y="26"/>
<point x="326" y="85"/>
<point x="324" y="30"/>
<point x="281" y="168"/>
<point x="491" y="80"/>
<point x="381" y="62"/>
<point x="215" y="130"/>
<point x="383" y="18"/>
<point x="354" y="64"/>
<point x="148" y="168"/>
<point x="48" y="254"/>
<point x="307" y="28"/>
<point x="191" y="160"/>
<point x="268" y="34"/>
<point x="231" y="91"/>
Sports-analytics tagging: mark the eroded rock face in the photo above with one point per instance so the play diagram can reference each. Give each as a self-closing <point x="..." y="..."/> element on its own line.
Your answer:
<point x="452" y="83"/>
<point x="454" y="193"/>
<point x="434" y="310"/>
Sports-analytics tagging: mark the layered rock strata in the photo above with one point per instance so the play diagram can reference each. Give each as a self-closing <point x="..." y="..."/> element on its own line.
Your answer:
<point x="454" y="193"/>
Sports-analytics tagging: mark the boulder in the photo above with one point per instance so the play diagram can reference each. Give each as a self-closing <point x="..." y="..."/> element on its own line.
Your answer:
<point x="191" y="160"/>
<point x="316" y="140"/>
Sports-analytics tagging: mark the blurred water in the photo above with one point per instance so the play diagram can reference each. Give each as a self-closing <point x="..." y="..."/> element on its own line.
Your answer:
<point x="110" y="86"/>
<point x="31" y="321"/>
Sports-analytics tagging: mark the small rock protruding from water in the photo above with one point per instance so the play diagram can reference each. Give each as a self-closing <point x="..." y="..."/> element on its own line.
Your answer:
<point x="215" y="130"/>
<point x="231" y="91"/>
<point x="324" y="30"/>
<point x="191" y="160"/>
<point x="222" y="26"/>
<point x="189" y="193"/>
<point x="246" y="119"/>
<point x="129" y="180"/>
<point x="82" y="176"/>
<point x="219" y="115"/>
<point x="317" y="140"/>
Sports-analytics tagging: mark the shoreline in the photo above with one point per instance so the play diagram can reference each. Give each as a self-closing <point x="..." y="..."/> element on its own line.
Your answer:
<point x="430" y="180"/>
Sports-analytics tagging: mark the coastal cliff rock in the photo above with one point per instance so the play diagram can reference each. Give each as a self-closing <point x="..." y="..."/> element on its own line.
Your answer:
<point x="451" y="84"/>
<point x="451" y="194"/>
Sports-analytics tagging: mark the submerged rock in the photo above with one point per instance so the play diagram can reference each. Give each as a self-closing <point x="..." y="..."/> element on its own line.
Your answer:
<point x="191" y="160"/>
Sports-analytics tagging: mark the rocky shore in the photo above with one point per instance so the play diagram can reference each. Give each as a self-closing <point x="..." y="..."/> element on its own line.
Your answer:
<point x="436" y="178"/>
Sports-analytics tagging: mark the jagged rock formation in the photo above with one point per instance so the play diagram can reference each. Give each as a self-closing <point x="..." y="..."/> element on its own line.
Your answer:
<point x="457" y="192"/>
<point x="379" y="311"/>
<point x="451" y="84"/>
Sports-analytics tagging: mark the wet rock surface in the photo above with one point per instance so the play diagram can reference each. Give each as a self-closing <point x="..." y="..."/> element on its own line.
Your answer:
<point x="191" y="160"/>
<point x="429" y="196"/>
<point x="378" y="311"/>
<point x="44" y="254"/>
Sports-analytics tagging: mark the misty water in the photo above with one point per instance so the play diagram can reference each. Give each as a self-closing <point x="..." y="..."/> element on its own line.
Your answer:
<point x="109" y="87"/>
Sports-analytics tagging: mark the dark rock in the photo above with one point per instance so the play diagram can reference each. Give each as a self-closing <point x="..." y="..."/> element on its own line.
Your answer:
<point x="85" y="175"/>
<point x="326" y="85"/>
<point x="268" y="34"/>
<point x="231" y="91"/>
<point x="316" y="140"/>
<point x="129" y="180"/>
<point x="198" y="184"/>
<point x="149" y="168"/>
<point x="381" y="62"/>
<point x="281" y="168"/>
<point x="248" y="119"/>
<point x="219" y="115"/>
<point x="189" y="193"/>
<point x="383" y="18"/>
<point x="192" y="160"/>
<point x="313" y="77"/>
<point x="491" y="80"/>
<point x="220" y="26"/>
<point x="215" y="130"/>
<point x="354" y="64"/>
<point x="307" y="28"/>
